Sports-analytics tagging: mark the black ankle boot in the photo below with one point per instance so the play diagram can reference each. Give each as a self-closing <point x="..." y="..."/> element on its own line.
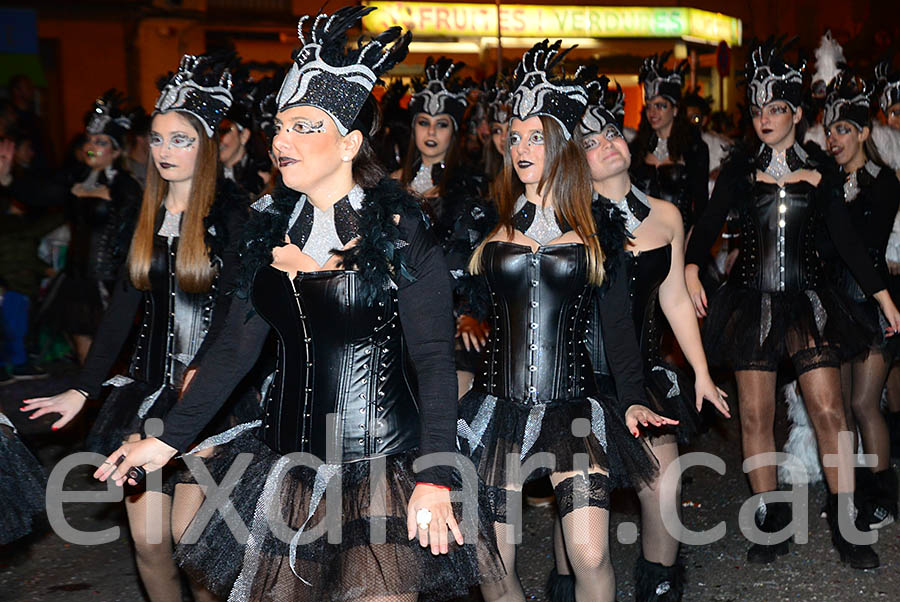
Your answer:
<point x="875" y="498"/>
<point x="654" y="582"/>
<point x="777" y="516"/>
<point x="857" y="556"/>
<point x="560" y="588"/>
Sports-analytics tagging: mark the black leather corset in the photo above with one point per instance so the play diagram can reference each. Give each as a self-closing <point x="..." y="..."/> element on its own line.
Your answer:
<point x="778" y="239"/>
<point x="541" y="303"/>
<point x="646" y="272"/>
<point x="336" y="355"/>
<point x="174" y="323"/>
<point x="668" y="182"/>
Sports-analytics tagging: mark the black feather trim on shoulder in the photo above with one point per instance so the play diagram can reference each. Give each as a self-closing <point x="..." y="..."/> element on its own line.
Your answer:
<point x="379" y="256"/>
<point x="611" y="234"/>
<point x="220" y="219"/>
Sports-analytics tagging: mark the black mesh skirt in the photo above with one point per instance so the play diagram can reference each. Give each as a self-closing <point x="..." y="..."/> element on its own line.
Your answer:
<point x="363" y="563"/>
<point x="22" y="486"/>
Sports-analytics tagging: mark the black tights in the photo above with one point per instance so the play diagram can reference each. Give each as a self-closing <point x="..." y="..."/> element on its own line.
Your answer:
<point x="863" y="381"/>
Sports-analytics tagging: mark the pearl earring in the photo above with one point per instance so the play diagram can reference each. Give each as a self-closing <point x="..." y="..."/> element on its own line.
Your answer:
<point x="345" y="158"/>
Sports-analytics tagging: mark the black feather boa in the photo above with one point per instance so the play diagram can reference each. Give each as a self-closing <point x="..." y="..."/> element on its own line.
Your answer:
<point x="378" y="256"/>
<point x="612" y="235"/>
<point x="224" y="217"/>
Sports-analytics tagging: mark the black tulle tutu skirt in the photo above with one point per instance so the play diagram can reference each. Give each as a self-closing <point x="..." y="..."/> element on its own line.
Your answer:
<point x="498" y="435"/>
<point x="869" y="313"/>
<point x="747" y="329"/>
<point x="670" y="393"/>
<point x="22" y="486"/>
<point x="356" y="567"/>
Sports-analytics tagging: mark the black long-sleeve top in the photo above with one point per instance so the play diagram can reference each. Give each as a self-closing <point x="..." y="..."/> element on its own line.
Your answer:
<point x="426" y="316"/>
<point x="735" y="188"/>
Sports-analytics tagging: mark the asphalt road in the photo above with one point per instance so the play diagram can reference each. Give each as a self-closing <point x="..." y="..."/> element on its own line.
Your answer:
<point x="45" y="568"/>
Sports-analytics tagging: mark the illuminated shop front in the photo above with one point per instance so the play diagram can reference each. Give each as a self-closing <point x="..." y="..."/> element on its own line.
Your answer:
<point x="617" y="37"/>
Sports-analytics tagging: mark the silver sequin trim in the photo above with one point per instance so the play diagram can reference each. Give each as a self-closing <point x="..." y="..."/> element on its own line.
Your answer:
<point x="223" y="437"/>
<point x="149" y="401"/>
<point x="818" y="311"/>
<point x="244" y="583"/>
<point x="532" y="429"/>
<point x="421" y="182"/>
<point x="544" y="227"/>
<point x="765" y="312"/>
<point x="778" y="166"/>
<point x="356" y="196"/>
<point x="171" y="225"/>
<point x="661" y="152"/>
<point x="673" y="379"/>
<point x="323" y="237"/>
<point x="851" y="187"/>
<point x="6" y="422"/>
<point x="119" y="380"/>
<point x="263" y="203"/>
<point x="474" y="433"/>
<point x="598" y="422"/>
<point x="632" y="222"/>
<point x="324" y="474"/>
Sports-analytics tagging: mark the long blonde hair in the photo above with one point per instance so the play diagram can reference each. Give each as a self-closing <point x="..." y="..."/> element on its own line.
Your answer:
<point x="193" y="269"/>
<point x="567" y="181"/>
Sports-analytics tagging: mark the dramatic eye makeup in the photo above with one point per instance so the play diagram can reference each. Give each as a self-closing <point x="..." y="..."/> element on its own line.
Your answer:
<point x="177" y="140"/>
<point x="305" y="126"/>
<point x="611" y="132"/>
<point x="536" y="139"/>
<point x="660" y="106"/>
<point x="155" y="139"/>
<point x="514" y="139"/>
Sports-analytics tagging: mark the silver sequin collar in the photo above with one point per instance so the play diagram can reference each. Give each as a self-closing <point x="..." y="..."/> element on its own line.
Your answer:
<point x="543" y="227"/>
<point x="661" y="152"/>
<point x="421" y="182"/>
<point x="635" y="206"/>
<point x="171" y="225"/>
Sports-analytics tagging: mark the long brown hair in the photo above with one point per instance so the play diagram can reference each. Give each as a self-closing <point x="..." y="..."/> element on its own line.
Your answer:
<point x="413" y="157"/>
<point x="567" y="182"/>
<point x="193" y="269"/>
<point x="680" y="138"/>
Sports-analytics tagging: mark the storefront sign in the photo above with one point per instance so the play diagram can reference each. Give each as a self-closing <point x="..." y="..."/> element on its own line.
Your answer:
<point x="450" y="19"/>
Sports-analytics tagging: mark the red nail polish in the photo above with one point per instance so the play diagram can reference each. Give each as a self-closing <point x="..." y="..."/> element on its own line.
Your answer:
<point x="55" y="428"/>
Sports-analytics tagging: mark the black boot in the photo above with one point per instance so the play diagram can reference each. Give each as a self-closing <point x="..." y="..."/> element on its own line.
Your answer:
<point x="777" y="516"/>
<point x="857" y="556"/>
<point x="876" y="498"/>
<point x="560" y="588"/>
<point x="654" y="582"/>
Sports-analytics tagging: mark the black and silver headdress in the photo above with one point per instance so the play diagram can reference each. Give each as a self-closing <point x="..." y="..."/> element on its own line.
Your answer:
<point x="603" y="108"/>
<point x="495" y="97"/>
<point x="264" y="107"/>
<point x="439" y="91"/>
<point x="107" y="117"/>
<point x="327" y="76"/>
<point x="771" y="78"/>
<point x="538" y="91"/>
<point x="660" y="81"/>
<point x="847" y="99"/>
<point x="888" y="84"/>
<point x="201" y="87"/>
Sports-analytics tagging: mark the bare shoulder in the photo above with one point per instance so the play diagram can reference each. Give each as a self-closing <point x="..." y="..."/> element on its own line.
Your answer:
<point x="664" y="211"/>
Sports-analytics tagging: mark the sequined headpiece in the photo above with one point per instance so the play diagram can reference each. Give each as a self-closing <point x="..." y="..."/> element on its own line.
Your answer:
<point x="241" y="111"/>
<point x="889" y="84"/>
<point x="201" y="87"/>
<point x="107" y="117"/>
<point x="659" y="81"/>
<point x="264" y="107"/>
<point x="537" y="91"/>
<point x="495" y="97"/>
<point x="329" y="77"/>
<point x="603" y="108"/>
<point x="848" y="99"/>
<point x="439" y="91"/>
<point x="770" y="77"/>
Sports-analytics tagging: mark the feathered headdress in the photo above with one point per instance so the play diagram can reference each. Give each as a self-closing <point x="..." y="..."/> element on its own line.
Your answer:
<point x="770" y="77"/>
<point x="107" y="117"/>
<point x="264" y="106"/>
<point x="495" y="98"/>
<point x="440" y="91"/>
<point x="829" y="62"/>
<point x="201" y="87"/>
<point x="327" y="76"/>
<point x="847" y="99"/>
<point x="539" y="91"/>
<point x="603" y="108"/>
<point x="888" y="83"/>
<point x="660" y="81"/>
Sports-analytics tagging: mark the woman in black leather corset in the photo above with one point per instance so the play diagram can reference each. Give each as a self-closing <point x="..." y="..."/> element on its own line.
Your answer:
<point x="671" y="161"/>
<point x="534" y="409"/>
<point x="340" y="264"/>
<point x="183" y="246"/>
<point x="654" y="267"/>
<point x="871" y="192"/>
<point x="778" y="301"/>
<point x="101" y="211"/>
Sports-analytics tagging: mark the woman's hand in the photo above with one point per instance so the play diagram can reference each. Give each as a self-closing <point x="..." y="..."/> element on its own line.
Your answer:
<point x="890" y="312"/>
<point x="472" y="332"/>
<point x="695" y="289"/>
<point x="437" y="501"/>
<point x="67" y="404"/>
<point x="150" y="454"/>
<point x="705" y="388"/>
<point x="638" y="414"/>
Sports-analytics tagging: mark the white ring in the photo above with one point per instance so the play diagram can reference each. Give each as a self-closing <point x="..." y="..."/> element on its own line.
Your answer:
<point x="423" y="517"/>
